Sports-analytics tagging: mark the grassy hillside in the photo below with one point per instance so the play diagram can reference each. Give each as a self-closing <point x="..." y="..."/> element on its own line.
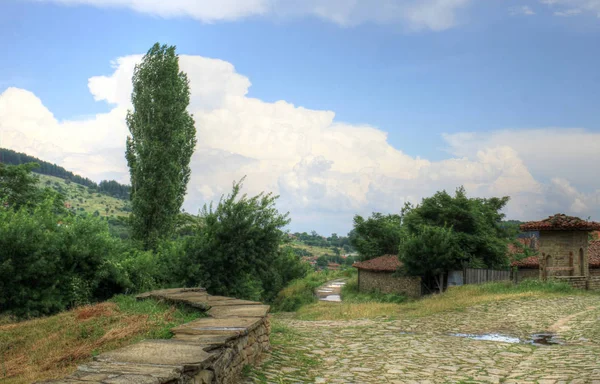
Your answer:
<point x="51" y="347"/>
<point x="316" y="251"/>
<point x="82" y="199"/>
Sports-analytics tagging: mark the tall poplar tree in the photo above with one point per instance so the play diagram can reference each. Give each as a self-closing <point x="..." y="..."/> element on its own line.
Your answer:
<point x="161" y="144"/>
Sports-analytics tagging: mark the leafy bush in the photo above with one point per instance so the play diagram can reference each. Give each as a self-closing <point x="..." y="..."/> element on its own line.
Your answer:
<point x="236" y="250"/>
<point x="50" y="261"/>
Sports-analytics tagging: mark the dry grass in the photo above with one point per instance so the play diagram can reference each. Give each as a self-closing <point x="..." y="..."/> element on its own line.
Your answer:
<point x="455" y="299"/>
<point x="52" y="347"/>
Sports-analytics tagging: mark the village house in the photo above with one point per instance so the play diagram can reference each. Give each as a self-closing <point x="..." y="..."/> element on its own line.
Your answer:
<point x="564" y="252"/>
<point x="379" y="275"/>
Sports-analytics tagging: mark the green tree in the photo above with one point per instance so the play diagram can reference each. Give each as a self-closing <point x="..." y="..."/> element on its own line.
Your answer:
<point x="471" y="229"/>
<point x="376" y="236"/>
<point x="18" y="186"/>
<point x="430" y="253"/>
<point x="161" y="144"/>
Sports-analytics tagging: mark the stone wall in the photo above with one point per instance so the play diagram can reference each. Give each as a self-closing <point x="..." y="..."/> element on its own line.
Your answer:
<point x="528" y="273"/>
<point x="210" y="350"/>
<point x="385" y="282"/>
<point x="563" y="253"/>
<point x="594" y="283"/>
<point x="594" y="271"/>
<point x="579" y="282"/>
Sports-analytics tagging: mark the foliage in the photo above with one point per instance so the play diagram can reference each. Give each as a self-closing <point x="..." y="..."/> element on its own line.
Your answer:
<point x="161" y="144"/>
<point x="430" y="252"/>
<point x="236" y="251"/>
<point x="302" y="291"/>
<point x="451" y="232"/>
<point x="18" y="187"/>
<point x="377" y="235"/>
<point x="50" y="261"/>
<point x="313" y="239"/>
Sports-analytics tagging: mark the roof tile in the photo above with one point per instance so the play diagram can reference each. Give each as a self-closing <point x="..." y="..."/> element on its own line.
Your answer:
<point x="561" y="222"/>
<point x="386" y="263"/>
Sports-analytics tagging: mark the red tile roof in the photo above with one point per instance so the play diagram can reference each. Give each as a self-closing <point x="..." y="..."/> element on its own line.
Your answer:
<point x="561" y="222"/>
<point x="386" y="263"/>
<point x="528" y="262"/>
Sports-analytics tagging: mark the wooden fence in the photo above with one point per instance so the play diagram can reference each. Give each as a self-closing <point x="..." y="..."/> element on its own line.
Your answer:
<point x="478" y="276"/>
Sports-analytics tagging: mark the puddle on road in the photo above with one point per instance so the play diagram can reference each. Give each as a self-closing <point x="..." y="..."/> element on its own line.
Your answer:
<point x="536" y="339"/>
<point x="490" y="337"/>
<point x="331" y="291"/>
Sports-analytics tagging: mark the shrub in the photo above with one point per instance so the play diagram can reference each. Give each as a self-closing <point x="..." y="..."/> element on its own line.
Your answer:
<point x="50" y="261"/>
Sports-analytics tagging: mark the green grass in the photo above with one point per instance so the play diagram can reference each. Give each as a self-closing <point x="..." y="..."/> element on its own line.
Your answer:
<point x="301" y="292"/>
<point x="81" y="200"/>
<point x="51" y="347"/>
<point x="455" y="299"/>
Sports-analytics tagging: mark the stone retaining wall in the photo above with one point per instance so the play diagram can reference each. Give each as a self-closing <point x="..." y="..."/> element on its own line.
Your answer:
<point x="205" y="351"/>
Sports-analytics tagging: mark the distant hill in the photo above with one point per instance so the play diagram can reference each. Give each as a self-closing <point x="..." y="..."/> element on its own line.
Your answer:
<point x="82" y="199"/>
<point x="106" y="187"/>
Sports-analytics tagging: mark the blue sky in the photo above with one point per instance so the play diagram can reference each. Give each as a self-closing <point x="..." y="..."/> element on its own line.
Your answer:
<point x="466" y="77"/>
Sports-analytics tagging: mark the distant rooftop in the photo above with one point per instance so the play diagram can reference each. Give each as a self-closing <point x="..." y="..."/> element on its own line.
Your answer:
<point x="561" y="222"/>
<point x="386" y="263"/>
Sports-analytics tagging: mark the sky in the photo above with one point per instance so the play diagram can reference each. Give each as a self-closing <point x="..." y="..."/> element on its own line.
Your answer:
<point x="341" y="107"/>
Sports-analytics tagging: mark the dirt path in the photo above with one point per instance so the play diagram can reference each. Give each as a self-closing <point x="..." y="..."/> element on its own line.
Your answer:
<point x="424" y="350"/>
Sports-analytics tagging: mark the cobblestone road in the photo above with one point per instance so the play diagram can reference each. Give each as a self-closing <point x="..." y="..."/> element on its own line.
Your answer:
<point x="423" y="350"/>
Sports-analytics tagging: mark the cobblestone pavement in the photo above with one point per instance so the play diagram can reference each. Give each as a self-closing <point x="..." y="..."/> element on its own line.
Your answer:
<point x="423" y="350"/>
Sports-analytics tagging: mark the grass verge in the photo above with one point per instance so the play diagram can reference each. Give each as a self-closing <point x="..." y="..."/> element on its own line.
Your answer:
<point x="455" y="299"/>
<point x="51" y="347"/>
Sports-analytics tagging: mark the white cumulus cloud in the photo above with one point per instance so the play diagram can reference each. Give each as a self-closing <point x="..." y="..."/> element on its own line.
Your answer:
<point x="325" y="170"/>
<point x="415" y="14"/>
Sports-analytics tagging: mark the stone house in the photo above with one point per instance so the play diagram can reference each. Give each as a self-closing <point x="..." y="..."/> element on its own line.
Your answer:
<point x="564" y="252"/>
<point x="529" y="267"/>
<point x="378" y="275"/>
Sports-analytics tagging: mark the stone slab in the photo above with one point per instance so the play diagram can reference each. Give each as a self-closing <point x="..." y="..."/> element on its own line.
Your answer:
<point x="159" y="352"/>
<point x="239" y="311"/>
<point x="207" y="342"/>
<point x="219" y="303"/>
<point x="101" y="370"/>
<point x="228" y="326"/>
